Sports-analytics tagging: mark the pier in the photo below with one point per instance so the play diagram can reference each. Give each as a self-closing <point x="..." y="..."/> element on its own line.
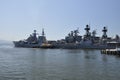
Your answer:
<point x="115" y="51"/>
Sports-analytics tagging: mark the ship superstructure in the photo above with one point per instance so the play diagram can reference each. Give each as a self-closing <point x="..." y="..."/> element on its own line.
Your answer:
<point x="73" y="37"/>
<point x="87" y="41"/>
<point x="33" y="41"/>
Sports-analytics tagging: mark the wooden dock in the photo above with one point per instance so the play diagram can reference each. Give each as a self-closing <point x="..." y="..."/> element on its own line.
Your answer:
<point x="111" y="51"/>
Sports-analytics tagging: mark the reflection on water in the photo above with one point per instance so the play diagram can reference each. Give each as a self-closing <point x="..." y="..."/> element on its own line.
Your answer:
<point x="57" y="64"/>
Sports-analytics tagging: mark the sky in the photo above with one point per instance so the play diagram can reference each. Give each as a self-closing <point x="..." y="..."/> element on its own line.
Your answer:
<point x="18" y="18"/>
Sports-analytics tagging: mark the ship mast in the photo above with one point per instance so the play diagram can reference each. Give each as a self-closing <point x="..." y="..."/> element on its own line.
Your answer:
<point x="34" y="34"/>
<point x="87" y="29"/>
<point x="43" y="34"/>
<point x="104" y="32"/>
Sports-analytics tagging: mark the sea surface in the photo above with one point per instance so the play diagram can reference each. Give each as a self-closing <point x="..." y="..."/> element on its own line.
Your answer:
<point x="56" y="64"/>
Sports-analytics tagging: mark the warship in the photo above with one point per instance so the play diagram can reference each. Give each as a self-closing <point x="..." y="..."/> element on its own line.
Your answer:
<point x="87" y="41"/>
<point x="33" y="41"/>
<point x="72" y="41"/>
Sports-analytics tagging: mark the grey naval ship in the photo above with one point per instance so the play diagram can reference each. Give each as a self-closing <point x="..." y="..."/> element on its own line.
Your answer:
<point x="33" y="41"/>
<point x="87" y="41"/>
<point x="72" y="41"/>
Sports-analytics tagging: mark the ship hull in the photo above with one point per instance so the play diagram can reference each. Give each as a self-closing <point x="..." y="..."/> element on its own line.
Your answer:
<point x="26" y="45"/>
<point x="78" y="46"/>
<point x="63" y="46"/>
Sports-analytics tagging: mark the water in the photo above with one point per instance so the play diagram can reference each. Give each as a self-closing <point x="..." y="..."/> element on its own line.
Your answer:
<point x="57" y="64"/>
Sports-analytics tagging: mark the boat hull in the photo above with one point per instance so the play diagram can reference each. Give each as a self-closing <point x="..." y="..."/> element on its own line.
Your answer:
<point x="63" y="46"/>
<point x="78" y="46"/>
<point x="26" y="45"/>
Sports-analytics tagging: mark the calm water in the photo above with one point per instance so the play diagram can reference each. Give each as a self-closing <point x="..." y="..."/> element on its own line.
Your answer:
<point x="57" y="64"/>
